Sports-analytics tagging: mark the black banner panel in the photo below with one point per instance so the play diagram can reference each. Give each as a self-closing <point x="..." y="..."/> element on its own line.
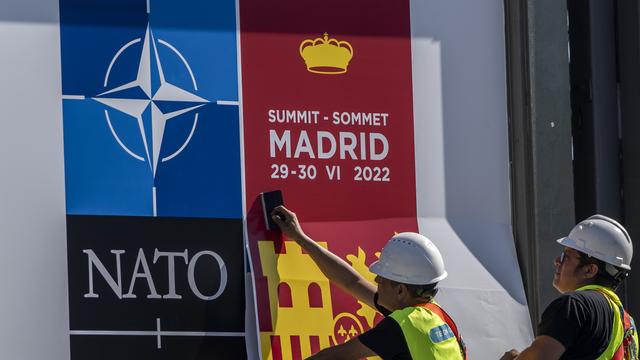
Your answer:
<point x="161" y="288"/>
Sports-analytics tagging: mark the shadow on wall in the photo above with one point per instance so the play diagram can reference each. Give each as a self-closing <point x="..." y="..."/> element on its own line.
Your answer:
<point x="487" y="244"/>
<point x="474" y="142"/>
<point x="47" y="11"/>
<point x="44" y="11"/>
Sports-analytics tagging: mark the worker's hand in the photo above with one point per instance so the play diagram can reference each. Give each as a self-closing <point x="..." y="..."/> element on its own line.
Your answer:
<point x="510" y="355"/>
<point x="288" y="223"/>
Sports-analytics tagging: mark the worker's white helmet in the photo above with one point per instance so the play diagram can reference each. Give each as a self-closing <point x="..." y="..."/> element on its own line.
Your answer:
<point x="410" y="258"/>
<point x="602" y="238"/>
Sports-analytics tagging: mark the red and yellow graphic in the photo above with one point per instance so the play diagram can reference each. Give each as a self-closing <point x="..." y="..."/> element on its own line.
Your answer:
<point x="299" y="292"/>
<point x="339" y="147"/>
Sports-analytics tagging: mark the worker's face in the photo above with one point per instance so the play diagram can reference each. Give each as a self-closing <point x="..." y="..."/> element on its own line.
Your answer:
<point x="388" y="295"/>
<point x="569" y="274"/>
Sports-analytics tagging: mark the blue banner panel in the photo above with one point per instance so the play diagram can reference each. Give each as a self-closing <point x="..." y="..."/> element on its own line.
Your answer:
<point x="156" y="288"/>
<point x="150" y="106"/>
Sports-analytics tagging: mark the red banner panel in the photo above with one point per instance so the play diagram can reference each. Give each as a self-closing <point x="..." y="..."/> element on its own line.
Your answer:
<point x="327" y="111"/>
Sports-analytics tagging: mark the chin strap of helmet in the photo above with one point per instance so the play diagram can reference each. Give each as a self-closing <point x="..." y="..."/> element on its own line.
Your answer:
<point x="616" y="273"/>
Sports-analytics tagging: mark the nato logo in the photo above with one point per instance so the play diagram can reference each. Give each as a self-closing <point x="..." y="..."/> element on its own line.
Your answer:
<point x="150" y="106"/>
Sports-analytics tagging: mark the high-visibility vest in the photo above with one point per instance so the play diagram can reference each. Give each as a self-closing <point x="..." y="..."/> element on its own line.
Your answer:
<point x="430" y="333"/>
<point x="623" y="344"/>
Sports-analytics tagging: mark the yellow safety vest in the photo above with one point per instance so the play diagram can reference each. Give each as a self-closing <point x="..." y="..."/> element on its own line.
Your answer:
<point x="618" y="331"/>
<point x="428" y="336"/>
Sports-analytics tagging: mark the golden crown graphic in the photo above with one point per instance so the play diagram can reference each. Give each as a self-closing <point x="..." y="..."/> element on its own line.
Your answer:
<point x="326" y="56"/>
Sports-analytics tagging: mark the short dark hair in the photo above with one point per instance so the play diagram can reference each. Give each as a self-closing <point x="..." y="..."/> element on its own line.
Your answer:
<point x="602" y="278"/>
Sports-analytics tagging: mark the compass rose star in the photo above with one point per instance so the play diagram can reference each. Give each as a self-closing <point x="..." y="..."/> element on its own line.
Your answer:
<point x="119" y="99"/>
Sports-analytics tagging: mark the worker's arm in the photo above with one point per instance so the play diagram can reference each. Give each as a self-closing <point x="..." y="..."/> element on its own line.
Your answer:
<point x="352" y="349"/>
<point x="543" y="348"/>
<point x="332" y="266"/>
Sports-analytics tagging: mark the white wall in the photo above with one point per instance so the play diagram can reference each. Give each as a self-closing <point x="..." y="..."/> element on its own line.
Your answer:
<point x="33" y="271"/>
<point x="463" y="189"/>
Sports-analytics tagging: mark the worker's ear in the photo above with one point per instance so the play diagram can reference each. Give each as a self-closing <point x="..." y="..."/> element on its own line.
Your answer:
<point x="590" y="271"/>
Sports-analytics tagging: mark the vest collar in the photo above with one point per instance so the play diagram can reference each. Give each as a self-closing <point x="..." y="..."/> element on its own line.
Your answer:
<point x="604" y="291"/>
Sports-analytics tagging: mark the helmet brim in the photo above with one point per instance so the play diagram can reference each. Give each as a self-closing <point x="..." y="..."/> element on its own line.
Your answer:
<point x="378" y="268"/>
<point x="566" y="241"/>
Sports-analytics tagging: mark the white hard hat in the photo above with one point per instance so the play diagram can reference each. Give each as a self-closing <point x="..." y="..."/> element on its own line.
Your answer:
<point x="410" y="258"/>
<point x="602" y="238"/>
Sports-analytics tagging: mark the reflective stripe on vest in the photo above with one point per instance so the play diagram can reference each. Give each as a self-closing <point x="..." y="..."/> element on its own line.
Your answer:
<point x="427" y="336"/>
<point x="615" y="348"/>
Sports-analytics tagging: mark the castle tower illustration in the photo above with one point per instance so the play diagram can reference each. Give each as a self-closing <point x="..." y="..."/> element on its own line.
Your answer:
<point x="299" y="300"/>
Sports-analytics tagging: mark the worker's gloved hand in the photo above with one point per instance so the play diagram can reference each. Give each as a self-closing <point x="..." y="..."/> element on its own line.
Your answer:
<point x="288" y="223"/>
<point x="510" y="355"/>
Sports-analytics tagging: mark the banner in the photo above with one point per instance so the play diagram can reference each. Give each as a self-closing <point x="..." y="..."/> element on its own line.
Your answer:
<point x="372" y="117"/>
<point x="327" y="109"/>
<point x="153" y="179"/>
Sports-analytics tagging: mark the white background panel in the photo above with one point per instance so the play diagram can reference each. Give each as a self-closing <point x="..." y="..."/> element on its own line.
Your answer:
<point x="462" y="169"/>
